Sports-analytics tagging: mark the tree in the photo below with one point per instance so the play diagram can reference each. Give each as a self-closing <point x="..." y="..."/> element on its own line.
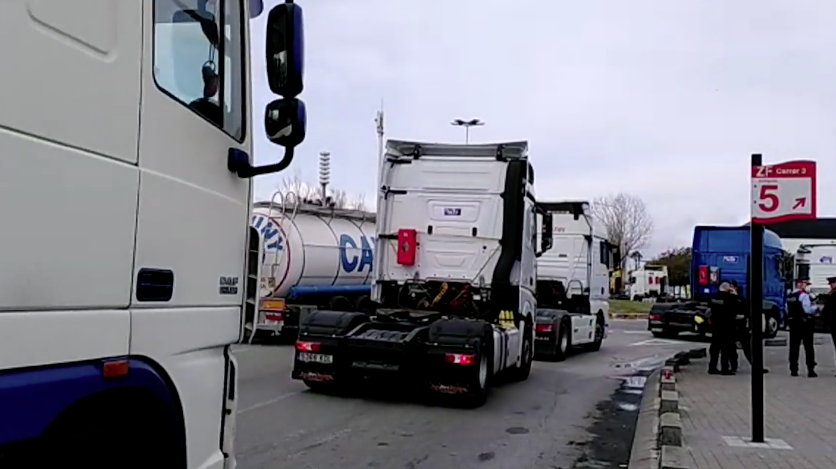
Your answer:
<point x="294" y="189"/>
<point x="678" y="262"/>
<point x="626" y="220"/>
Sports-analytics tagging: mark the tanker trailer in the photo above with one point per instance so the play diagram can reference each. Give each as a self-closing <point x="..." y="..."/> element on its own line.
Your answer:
<point x="313" y="257"/>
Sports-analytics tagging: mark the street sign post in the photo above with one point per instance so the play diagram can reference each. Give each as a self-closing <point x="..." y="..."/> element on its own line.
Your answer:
<point x="780" y="192"/>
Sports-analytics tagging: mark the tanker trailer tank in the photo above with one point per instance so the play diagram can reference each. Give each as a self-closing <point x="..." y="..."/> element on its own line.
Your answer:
<point x="313" y="257"/>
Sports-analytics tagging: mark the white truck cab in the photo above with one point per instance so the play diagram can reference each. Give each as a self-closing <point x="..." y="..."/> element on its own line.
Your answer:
<point x="121" y="123"/>
<point x="573" y="280"/>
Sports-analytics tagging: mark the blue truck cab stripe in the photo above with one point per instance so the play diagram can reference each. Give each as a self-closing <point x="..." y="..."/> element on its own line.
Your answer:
<point x="32" y="398"/>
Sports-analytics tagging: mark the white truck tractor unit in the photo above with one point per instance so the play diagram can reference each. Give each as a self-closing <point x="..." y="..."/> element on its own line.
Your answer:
<point x="120" y="120"/>
<point x="314" y="257"/>
<point x="454" y="276"/>
<point x="818" y="262"/>
<point x="573" y="282"/>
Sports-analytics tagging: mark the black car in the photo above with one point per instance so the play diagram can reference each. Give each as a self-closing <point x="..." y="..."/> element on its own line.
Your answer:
<point x="670" y="319"/>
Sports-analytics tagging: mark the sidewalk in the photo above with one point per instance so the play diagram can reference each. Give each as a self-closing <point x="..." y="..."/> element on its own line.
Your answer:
<point x="800" y="414"/>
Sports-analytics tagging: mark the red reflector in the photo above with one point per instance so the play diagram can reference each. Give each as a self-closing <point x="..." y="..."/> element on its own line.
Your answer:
<point x="703" y="275"/>
<point x="307" y="346"/>
<point x="460" y="359"/>
<point x="407" y="244"/>
<point x="273" y="316"/>
<point x="115" y="369"/>
<point x="544" y="327"/>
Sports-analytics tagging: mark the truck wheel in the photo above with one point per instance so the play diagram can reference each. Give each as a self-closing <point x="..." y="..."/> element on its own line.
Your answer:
<point x="564" y="342"/>
<point x="340" y="303"/>
<point x="479" y="395"/>
<point x="521" y="372"/>
<point x="770" y="321"/>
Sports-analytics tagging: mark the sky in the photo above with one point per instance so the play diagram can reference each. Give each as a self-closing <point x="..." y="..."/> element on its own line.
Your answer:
<point x="664" y="100"/>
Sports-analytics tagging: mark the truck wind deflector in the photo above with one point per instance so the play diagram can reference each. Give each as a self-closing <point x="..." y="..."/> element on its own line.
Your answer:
<point x="505" y="151"/>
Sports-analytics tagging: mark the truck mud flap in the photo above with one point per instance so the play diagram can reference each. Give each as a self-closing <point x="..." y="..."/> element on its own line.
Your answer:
<point x="449" y="339"/>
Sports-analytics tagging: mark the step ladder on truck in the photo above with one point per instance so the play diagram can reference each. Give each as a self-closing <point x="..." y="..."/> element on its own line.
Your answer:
<point x="127" y="121"/>
<point x="454" y="277"/>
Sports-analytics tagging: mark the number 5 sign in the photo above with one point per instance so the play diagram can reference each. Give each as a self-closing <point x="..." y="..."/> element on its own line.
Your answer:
<point x="784" y="191"/>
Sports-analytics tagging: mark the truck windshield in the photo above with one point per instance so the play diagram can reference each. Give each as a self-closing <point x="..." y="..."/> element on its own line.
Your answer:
<point x="187" y="58"/>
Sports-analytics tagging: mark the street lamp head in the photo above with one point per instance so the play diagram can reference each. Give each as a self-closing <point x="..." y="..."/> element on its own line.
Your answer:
<point x="467" y="123"/>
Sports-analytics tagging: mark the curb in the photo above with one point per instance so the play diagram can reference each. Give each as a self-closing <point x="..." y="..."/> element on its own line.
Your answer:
<point x="658" y="442"/>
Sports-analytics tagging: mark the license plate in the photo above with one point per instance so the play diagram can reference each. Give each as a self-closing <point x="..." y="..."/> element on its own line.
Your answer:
<point x="656" y="329"/>
<point x="315" y="358"/>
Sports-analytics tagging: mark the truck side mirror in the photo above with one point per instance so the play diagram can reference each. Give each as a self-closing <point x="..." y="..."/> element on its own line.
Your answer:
<point x="284" y="119"/>
<point x="546" y="237"/>
<point x="616" y="256"/>
<point x="285" y="50"/>
<point x="284" y="122"/>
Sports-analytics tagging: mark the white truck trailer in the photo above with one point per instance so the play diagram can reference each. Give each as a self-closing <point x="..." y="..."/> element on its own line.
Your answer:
<point x="573" y="280"/>
<point x="818" y="262"/>
<point x="314" y="257"/>
<point x="120" y="121"/>
<point x="454" y="276"/>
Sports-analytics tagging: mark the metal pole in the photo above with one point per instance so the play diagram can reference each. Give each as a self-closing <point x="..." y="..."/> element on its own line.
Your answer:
<point x="467" y="135"/>
<point x="756" y="319"/>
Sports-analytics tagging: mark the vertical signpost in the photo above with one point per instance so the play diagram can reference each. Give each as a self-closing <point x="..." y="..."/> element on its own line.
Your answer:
<point x="780" y="192"/>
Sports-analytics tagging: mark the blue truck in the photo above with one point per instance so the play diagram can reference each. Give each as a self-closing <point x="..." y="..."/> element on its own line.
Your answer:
<point x="721" y="254"/>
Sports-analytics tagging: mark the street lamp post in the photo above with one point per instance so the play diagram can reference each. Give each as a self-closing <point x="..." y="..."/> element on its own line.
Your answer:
<point x="467" y="125"/>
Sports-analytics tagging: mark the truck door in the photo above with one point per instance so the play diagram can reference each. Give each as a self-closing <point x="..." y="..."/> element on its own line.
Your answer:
<point x="194" y="95"/>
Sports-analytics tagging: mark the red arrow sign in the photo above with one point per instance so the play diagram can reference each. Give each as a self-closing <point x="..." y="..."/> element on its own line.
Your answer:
<point x="800" y="202"/>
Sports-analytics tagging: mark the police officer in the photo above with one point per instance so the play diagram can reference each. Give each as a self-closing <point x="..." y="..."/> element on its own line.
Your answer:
<point x="829" y="311"/>
<point x="723" y="307"/>
<point x="741" y="329"/>
<point x="801" y="312"/>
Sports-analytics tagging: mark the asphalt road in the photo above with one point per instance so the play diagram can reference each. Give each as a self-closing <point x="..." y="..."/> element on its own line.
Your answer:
<point x="573" y="414"/>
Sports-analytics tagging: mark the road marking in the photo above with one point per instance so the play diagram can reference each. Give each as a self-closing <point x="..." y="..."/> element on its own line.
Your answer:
<point x="634" y="332"/>
<point x="266" y="403"/>
<point x="657" y="342"/>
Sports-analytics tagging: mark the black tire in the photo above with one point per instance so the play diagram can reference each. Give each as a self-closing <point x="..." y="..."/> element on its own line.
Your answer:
<point x="564" y="342"/>
<point x="340" y="303"/>
<point x="521" y="372"/>
<point x="599" y="334"/>
<point x="770" y="324"/>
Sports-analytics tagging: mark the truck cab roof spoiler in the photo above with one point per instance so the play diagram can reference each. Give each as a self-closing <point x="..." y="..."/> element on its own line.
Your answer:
<point x="504" y="151"/>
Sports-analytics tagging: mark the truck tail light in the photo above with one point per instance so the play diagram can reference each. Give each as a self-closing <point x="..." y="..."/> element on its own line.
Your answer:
<point x="544" y="327"/>
<point x="307" y="346"/>
<point x="703" y="275"/>
<point x="460" y="359"/>
<point x="407" y="243"/>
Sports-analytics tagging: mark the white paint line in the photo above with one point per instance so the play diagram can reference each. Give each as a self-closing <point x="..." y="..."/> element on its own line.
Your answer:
<point x="657" y="342"/>
<point x="769" y="443"/>
<point x="266" y="403"/>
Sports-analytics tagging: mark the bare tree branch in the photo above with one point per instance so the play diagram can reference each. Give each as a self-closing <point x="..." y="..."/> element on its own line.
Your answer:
<point x="626" y="220"/>
<point x="312" y="194"/>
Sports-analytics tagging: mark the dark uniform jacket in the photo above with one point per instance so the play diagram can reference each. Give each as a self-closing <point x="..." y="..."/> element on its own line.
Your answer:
<point x="829" y="311"/>
<point x="724" y="307"/>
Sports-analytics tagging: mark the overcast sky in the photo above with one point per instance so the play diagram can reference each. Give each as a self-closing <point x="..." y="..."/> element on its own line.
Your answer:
<point x="662" y="99"/>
